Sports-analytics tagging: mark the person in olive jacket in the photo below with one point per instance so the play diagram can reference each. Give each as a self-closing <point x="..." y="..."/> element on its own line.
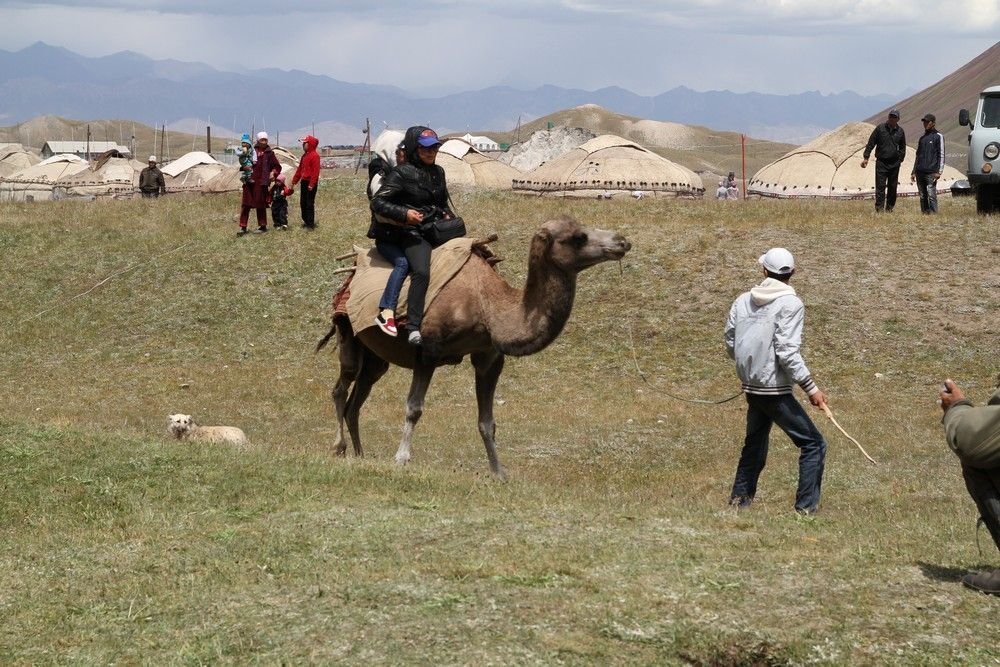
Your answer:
<point x="973" y="433"/>
<point x="407" y="194"/>
<point x="889" y="142"/>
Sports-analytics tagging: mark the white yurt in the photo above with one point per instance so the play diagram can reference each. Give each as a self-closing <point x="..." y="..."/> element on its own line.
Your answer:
<point x="111" y="176"/>
<point x="191" y="171"/>
<point x="830" y="167"/>
<point x="36" y="182"/>
<point x="466" y="167"/>
<point x="609" y="166"/>
<point x="14" y="158"/>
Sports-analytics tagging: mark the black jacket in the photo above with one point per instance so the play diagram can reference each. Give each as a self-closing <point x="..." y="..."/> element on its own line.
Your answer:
<point x="889" y="145"/>
<point x="404" y="187"/>
<point x="930" y="153"/>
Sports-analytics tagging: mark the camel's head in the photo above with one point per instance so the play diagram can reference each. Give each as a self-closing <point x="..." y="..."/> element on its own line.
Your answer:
<point x="178" y="425"/>
<point x="569" y="245"/>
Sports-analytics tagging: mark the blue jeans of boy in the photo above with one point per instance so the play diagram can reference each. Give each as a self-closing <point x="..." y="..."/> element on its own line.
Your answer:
<point x="788" y="414"/>
<point x="395" y="255"/>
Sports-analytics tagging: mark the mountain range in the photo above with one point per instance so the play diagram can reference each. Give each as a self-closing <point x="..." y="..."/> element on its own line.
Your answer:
<point x="47" y="80"/>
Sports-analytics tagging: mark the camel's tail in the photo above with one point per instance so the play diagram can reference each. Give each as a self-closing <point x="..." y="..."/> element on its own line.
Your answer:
<point x="326" y="339"/>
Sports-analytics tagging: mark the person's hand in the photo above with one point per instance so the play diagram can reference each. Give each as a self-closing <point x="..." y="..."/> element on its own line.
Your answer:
<point x="414" y="217"/>
<point x="818" y="399"/>
<point x="311" y="188"/>
<point x="950" y="395"/>
<point x="864" y="163"/>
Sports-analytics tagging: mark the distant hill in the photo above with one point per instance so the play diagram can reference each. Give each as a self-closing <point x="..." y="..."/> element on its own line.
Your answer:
<point x="958" y="90"/>
<point x="697" y="148"/>
<point x="46" y="80"/>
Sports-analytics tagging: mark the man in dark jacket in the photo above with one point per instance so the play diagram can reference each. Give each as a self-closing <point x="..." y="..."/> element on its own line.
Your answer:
<point x="889" y="142"/>
<point x="151" y="182"/>
<point x="928" y="164"/>
<point x="973" y="433"/>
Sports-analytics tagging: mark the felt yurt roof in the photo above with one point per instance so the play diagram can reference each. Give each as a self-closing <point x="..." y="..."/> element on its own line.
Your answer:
<point x="14" y="158"/>
<point x="830" y="166"/>
<point x="464" y="166"/>
<point x="115" y="176"/>
<point x="186" y="161"/>
<point x="191" y="171"/>
<point x="285" y="157"/>
<point x="610" y="165"/>
<point x="35" y="182"/>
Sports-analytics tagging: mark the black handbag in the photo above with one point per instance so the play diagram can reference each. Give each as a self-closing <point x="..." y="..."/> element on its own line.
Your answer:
<point x="438" y="230"/>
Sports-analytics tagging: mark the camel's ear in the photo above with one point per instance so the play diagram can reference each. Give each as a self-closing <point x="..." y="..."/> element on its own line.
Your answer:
<point x="544" y="236"/>
<point x="540" y="245"/>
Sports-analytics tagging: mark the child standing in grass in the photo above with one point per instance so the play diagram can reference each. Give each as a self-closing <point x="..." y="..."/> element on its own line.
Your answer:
<point x="279" y="203"/>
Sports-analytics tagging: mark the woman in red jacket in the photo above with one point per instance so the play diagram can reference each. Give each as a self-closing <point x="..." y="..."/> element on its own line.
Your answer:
<point x="308" y="173"/>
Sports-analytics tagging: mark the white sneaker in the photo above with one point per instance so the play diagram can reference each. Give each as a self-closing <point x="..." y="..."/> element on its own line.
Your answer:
<point x="414" y="338"/>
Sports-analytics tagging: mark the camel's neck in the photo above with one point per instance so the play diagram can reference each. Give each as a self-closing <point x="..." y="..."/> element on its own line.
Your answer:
<point x="529" y="324"/>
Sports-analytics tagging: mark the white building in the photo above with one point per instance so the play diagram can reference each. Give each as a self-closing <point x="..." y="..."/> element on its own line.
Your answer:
<point x="481" y="143"/>
<point x="80" y="148"/>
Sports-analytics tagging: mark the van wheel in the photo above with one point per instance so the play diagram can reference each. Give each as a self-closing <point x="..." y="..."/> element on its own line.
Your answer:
<point x="988" y="199"/>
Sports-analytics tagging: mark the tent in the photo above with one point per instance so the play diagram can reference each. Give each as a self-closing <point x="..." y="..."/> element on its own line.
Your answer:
<point x="830" y="167"/>
<point x="14" y="158"/>
<point x="35" y="183"/>
<point x="464" y="166"/>
<point x="191" y="171"/>
<point x="228" y="179"/>
<point x="111" y="176"/>
<point x="607" y="166"/>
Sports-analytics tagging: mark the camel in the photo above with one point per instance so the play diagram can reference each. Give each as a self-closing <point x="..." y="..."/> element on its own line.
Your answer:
<point x="476" y="314"/>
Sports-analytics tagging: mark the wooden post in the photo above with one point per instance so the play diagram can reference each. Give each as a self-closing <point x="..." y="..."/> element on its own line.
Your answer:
<point x="743" y="154"/>
<point x="208" y="139"/>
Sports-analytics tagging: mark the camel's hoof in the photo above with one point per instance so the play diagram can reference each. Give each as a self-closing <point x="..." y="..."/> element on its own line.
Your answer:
<point x="402" y="460"/>
<point x="500" y="473"/>
<point x="340" y="451"/>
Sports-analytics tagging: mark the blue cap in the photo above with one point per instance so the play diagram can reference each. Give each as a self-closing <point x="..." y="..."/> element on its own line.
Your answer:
<point x="428" y="138"/>
<point x="245" y="139"/>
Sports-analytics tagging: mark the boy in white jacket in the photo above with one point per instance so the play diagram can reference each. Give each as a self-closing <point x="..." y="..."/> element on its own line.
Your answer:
<point x="763" y="335"/>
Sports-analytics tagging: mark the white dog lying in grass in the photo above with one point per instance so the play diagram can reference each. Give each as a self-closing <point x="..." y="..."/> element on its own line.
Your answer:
<point x="183" y="427"/>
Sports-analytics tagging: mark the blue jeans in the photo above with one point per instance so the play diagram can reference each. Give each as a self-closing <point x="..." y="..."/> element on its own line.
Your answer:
<point x="395" y="256"/>
<point x="788" y="414"/>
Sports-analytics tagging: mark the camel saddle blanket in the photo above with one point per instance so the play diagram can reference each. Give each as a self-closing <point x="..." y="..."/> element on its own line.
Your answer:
<point x="359" y="296"/>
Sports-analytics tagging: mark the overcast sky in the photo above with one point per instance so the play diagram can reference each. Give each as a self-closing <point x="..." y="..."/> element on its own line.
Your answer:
<point x="435" y="46"/>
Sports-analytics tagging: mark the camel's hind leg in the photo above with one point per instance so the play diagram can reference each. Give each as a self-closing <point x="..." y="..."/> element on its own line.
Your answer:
<point x="488" y="367"/>
<point x="372" y="369"/>
<point x="350" y="354"/>
<point x="422" y="375"/>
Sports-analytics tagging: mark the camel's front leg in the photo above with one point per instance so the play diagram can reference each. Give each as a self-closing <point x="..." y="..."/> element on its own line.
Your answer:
<point x="488" y="368"/>
<point x="422" y="375"/>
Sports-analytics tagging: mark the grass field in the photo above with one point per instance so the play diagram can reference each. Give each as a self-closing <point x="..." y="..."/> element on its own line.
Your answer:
<point x="611" y="543"/>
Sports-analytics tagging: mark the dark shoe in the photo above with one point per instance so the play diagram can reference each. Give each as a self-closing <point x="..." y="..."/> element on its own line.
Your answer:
<point x="242" y="232"/>
<point x="260" y="230"/>
<point x="984" y="582"/>
<point x="740" y="502"/>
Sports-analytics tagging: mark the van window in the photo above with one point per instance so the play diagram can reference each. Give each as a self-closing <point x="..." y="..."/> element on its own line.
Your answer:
<point x="991" y="112"/>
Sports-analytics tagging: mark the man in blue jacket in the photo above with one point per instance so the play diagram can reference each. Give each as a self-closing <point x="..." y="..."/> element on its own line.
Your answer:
<point x="763" y="335"/>
<point x="928" y="164"/>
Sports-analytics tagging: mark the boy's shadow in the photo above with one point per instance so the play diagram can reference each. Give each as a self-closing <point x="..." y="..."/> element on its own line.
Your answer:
<point x="942" y="573"/>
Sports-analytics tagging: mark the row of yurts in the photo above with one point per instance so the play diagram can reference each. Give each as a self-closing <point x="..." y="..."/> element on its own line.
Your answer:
<point x="827" y="167"/>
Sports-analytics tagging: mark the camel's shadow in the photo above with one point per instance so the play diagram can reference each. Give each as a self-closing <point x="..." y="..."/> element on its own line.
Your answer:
<point x="942" y="572"/>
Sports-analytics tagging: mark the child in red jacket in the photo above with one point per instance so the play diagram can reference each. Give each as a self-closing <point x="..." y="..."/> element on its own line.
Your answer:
<point x="308" y="173"/>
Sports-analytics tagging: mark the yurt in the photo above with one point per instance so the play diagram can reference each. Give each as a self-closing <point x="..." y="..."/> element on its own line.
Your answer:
<point x="191" y="171"/>
<point x="466" y="167"/>
<point x="35" y="183"/>
<point x="830" y="167"/>
<point x="228" y="180"/>
<point x="14" y="158"/>
<point x="609" y="166"/>
<point x="112" y="176"/>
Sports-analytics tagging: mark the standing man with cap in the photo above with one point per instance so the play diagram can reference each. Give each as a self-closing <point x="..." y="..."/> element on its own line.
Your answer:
<point x="889" y="142"/>
<point x="763" y="335"/>
<point x="151" y="182"/>
<point x="308" y="173"/>
<point x="928" y="164"/>
<point x="257" y="191"/>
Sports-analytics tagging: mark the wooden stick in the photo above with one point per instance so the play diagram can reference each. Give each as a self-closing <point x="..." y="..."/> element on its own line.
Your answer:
<point x="344" y="269"/>
<point x="829" y="414"/>
<point x="346" y="255"/>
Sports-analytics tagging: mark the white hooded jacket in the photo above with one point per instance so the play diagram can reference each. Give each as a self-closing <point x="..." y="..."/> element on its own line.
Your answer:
<point x="763" y="335"/>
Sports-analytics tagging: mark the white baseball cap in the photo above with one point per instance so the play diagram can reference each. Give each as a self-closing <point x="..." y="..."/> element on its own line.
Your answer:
<point x="152" y="158"/>
<point x="262" y="135"/>
<point x="778" y="261"/>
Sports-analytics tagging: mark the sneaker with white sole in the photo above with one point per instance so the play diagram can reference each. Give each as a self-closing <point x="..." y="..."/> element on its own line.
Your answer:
<point x="386" y="321"/>
<point x="414" y="338"/>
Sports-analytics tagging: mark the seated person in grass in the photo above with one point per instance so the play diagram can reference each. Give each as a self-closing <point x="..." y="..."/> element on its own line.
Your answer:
<point x="247" y="158"/>
<point x="973" y="433"/>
